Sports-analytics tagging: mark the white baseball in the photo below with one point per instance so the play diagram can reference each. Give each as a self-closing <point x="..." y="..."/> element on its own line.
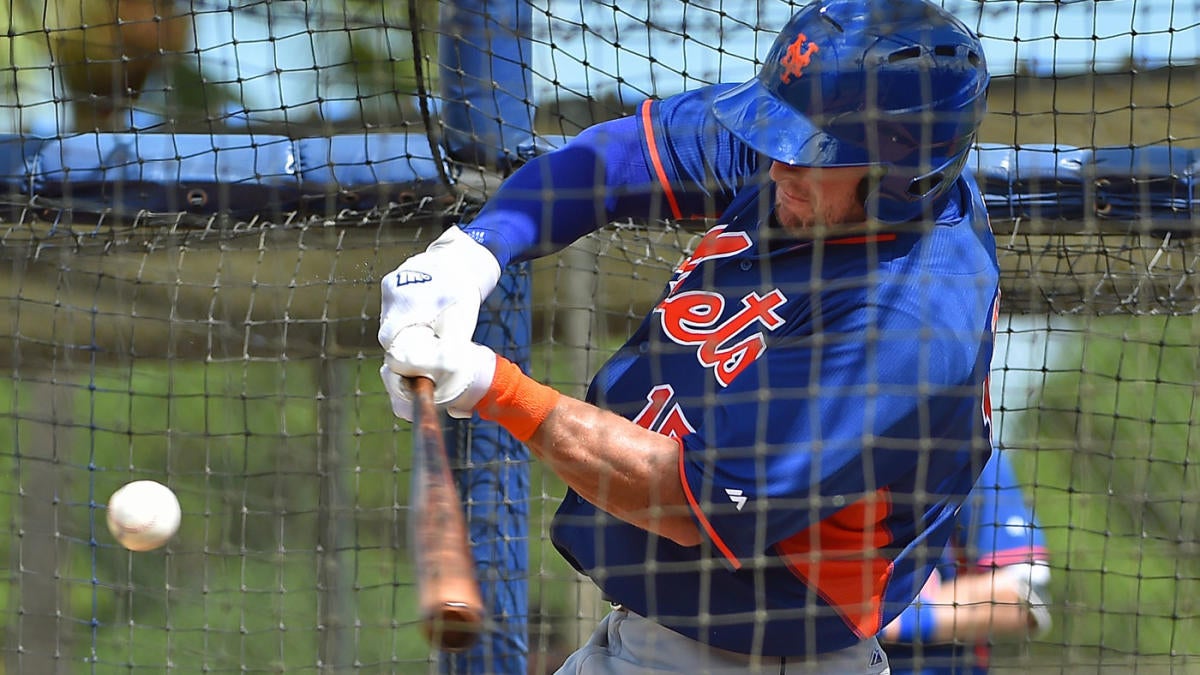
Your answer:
<point x="143" y="515"/>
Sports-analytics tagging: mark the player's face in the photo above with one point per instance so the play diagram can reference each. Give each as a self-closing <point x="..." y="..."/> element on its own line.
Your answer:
<point x="808" y="196"/>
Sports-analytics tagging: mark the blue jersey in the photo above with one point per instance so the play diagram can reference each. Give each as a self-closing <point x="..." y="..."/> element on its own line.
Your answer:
<point x="828" y="395"/>
<point x="995" y="527"/>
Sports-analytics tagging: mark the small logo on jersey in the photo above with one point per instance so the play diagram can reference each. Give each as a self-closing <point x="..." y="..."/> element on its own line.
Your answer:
<point x="737" y="497"/>
<point x="876" y="658"/>
<point x="796" y="58"/>
<point x="406" y="277"/>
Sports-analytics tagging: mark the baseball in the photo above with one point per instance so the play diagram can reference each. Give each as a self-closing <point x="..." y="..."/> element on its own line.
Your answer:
<point x="143" y="515"/>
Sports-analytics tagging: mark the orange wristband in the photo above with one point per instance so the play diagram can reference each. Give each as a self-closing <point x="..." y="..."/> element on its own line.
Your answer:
<point x="516" y="401"/>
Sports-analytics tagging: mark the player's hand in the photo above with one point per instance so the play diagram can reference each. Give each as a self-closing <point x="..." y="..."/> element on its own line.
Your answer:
<point x="440" y="289"/>
<point x="1030" y="581"/>
<point x="461" y="371"/>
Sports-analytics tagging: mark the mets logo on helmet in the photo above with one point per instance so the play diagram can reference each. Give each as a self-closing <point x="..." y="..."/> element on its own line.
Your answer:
<point x="796" y="58"/>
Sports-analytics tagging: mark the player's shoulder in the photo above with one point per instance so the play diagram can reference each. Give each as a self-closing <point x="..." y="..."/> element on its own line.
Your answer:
<point x="690" y="109"/>
<point x="960" y="242"/>
<point x="683" y="115"/>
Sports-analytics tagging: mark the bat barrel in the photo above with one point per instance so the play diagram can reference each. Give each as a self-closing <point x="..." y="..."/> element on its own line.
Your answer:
<point x="452" y="626"/>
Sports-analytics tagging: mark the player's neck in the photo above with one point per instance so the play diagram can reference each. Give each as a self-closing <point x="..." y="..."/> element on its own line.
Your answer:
<point x="778" y="234"/>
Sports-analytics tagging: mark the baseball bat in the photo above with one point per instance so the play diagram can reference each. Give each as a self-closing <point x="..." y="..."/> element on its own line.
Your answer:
<point x="450" y="602"/>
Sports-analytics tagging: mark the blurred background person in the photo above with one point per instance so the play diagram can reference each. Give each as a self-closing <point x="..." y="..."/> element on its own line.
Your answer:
<point x="989" y="587"/>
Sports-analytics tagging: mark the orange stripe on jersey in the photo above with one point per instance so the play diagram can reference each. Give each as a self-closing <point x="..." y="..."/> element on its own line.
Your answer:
<point x="837" y="558"/>
<point x="656" y="159"/>
<point x="712" y="534"/>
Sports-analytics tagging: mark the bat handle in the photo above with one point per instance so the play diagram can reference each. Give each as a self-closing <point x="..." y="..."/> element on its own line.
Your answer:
<point x="451" y="605"/>
<point x="422" y="388"/>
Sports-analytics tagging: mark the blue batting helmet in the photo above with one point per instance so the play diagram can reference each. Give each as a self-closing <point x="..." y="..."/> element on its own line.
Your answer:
<point x="899" y="84"/>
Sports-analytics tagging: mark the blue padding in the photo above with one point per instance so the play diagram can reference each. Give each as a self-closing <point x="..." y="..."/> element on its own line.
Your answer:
<point x="250" y="175"/>
<point x="1147" y="183"/>
<point x="18" y="155"/>
<point x="243" y="175"/>
<point x="1032" y="181"/>
<point x="495" y="480"/>
<point x="484" y="57"/>
<point x="362" y="171"/>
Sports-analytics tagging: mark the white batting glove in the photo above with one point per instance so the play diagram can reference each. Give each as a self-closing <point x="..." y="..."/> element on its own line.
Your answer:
<point x="461" y="371"/>
<point x="441" y="289"/>
<point x="1031" y="581"/>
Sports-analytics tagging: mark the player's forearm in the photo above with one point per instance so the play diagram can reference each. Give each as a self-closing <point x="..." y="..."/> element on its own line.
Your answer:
<point x="972" y="608"/>
<point x="981" y="606"/>
<point x="629" y="471"/>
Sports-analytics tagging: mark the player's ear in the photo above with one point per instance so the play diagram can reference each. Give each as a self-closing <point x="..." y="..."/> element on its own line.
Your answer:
<point x="868" y="187"/>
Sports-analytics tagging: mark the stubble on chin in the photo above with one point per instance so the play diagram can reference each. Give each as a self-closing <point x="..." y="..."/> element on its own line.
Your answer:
<point x="834" y="216"/>
<point x="792" y="223"/>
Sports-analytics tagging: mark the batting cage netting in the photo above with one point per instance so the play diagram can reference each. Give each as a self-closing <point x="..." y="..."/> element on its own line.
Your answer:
<point x="199" y="201"/>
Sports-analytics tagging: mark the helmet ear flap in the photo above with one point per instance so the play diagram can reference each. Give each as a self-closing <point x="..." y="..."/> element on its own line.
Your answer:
<point x="934" y="183"/>
<point x="893" y="197"/>
<point x="927" y="184"/>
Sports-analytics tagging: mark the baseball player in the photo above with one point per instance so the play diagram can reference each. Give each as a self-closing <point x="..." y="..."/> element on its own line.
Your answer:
<point x="990" y="584"/>
<point x="763" y="476"/>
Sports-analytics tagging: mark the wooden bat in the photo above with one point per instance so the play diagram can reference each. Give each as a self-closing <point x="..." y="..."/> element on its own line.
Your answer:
<point x="450" y="602"/>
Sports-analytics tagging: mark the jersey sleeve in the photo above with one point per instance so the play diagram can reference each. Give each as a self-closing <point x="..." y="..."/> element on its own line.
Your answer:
<point x="848" y="410"/>
<point x="1000" y="529"/>
<point x="670" y="160"/>
<point x="698" y="164"/>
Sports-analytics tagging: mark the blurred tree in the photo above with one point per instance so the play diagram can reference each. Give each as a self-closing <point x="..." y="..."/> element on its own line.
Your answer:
<point x="104" y="50"/>
<point x="24" y="60"/>
<point x="377" y="54"/>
